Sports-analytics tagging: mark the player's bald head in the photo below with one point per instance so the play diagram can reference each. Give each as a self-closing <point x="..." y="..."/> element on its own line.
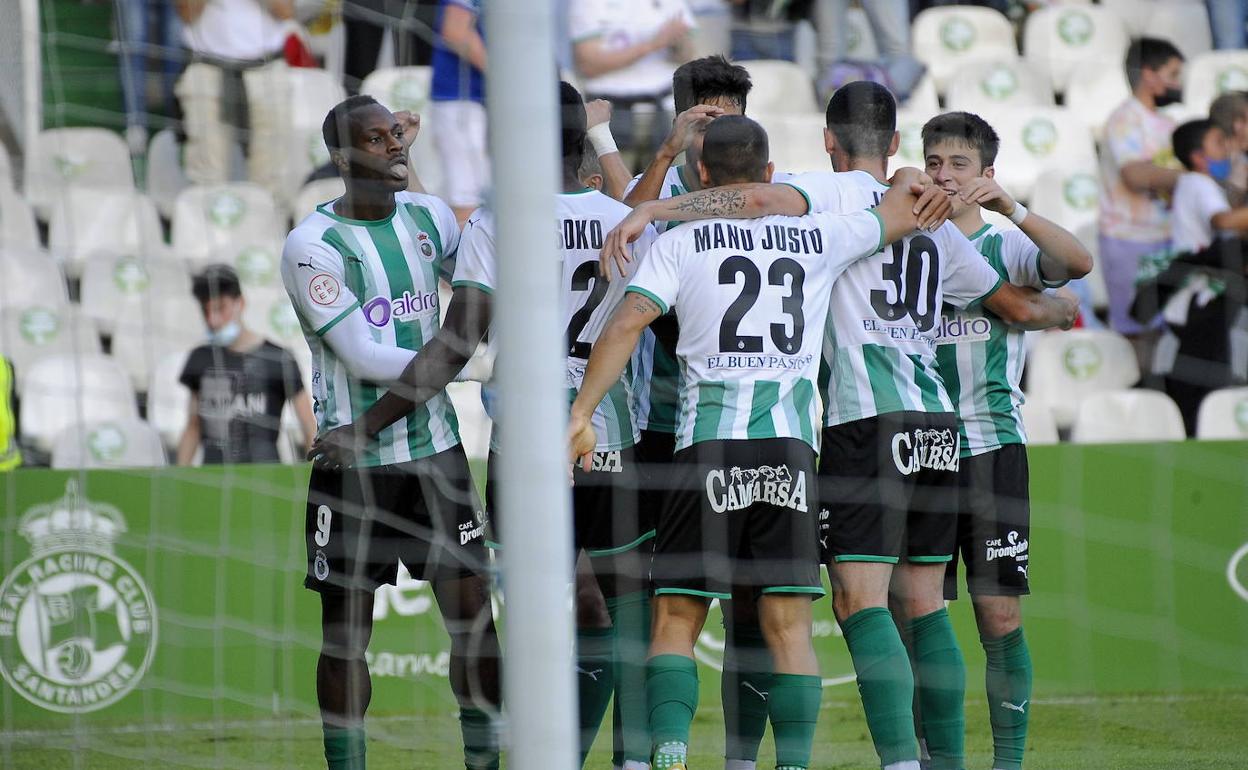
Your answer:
<point x="735" y="150"/>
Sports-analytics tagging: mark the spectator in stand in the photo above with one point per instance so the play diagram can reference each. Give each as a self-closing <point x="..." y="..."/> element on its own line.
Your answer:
<point x="366" y="24"/>
<point x="1227" y="18"/>
<point x="146" y="29"/>
<point x="765" y="29"/>
<point x="626" y="53"/>
<point x="1138" y="173"/>
<point x="458" y="95"/>
<point x="10" y="455"/>
<point x="1229" y="112"/>
<point x="239" y="382"/>
<point x="890" y="27"/>
<point x="226" y="38"/>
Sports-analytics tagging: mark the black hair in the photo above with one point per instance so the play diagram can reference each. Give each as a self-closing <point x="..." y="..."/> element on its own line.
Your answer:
<point x="573" y="127"/>
<point x="735" y="150"/>
<point x="1148" y="53"/>
<point x="862" y="116"/>
<point x="336" y="127"/>
<point x="1190" y="137"/>
<point x="967" y="128"/>
<point x="216" y="281"/>
<point x="1228" y="108"/>
<point x="709" y="78"/>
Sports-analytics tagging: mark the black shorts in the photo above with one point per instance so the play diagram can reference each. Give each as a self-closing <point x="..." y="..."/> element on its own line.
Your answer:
<point x="994" y="524"/>
<point x="743" y="514"/>
<point x="655" y="457"/>
<point x="605" y="515"/>
<point x="889" y="488"/>
<point x="362" y="521"/>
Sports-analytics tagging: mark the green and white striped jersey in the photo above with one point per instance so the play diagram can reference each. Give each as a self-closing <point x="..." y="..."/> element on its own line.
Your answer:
<point x="585" y="218"/>
<point x="879" y="352"/>
<point x="981" y="358"/>
<point x="745" y="292"/>
<point x="387" y="270"/>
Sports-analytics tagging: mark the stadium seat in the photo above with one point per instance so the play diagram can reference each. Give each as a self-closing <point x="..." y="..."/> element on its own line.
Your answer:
<point x="1038" y="423"/>
<point x="1127" y="415"/>
<point x="30" y="276"/>
<point x="1184" y="23"/>
<point x="68" y="157"/>
<point x="407" y="88"/>
<point x="87" y="221"/>
<point x="258" y="264"/>
<point x="17" y="220"/>
<point x="165" y="175"/>
<point x="780" y="88"/>
<point x="210" y="219"/>
<point x="62" y="390"/>
<point x="796" y="142"/>
<point x="984" y="86"/>
<point x="315" y="193"/>
<point x="948" y="37"/>
<point x="910" y="150"/>
<point x="28" y="334"/>
<point x="1038" y="138"/>
<point x="1133" y="13"/>
<point x="1063" y="42"/>
<point x="1210" y="74"/>
<point x="168" y="400"/>
<point x="268" y="312"/>
<point x="1064" y="368"/>
<point x="859" y="39"/>
<point x="1069" y="197"/>
<point x="113" y="286"/>
<point x="923" y="98"/>
<point x="1093" y="96"/>
<point x="119" y="443"/>
<point x="152" y="328"/>
<point x="1223" y="415"/>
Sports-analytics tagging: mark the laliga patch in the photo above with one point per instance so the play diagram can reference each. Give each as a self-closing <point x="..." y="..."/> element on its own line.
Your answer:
<point x="324" y="289"/>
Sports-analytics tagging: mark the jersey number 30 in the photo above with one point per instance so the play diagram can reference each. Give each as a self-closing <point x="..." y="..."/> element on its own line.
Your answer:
<point x="732" y="342"/>
<point x="914" y="273"/>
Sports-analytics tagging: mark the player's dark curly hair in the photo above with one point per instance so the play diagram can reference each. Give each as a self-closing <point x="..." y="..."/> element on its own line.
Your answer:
<point x="337" y="125"/>
<point x="711" y="77"/>
<point x="735" y="150"/>
<point x="967" y="128"/>
<point x="862" y="116"/>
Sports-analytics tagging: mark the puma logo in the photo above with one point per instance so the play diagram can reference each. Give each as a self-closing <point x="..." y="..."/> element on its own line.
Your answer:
<point x="761" y="694"/>
<point x="308" y="265"/>
<point x="1020" y="708"/>
<point x="355" y="259"/>
<point x="591" y="674"/>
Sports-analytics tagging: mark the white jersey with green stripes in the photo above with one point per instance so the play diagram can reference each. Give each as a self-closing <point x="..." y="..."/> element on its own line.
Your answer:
<point x="981" y="358"/>
<point x="656" y="375"/>
<point x="879" y="353"/>
<point x="750" y="297"/>
<point x="387" y="270"/>
<point x="584" y="219"/>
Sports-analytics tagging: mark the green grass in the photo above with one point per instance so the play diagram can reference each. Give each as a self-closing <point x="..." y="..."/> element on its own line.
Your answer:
<point x="1196" y="731"/>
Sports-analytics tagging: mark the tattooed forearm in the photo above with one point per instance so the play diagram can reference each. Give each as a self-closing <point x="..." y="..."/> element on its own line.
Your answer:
<point x="715" y="203"/>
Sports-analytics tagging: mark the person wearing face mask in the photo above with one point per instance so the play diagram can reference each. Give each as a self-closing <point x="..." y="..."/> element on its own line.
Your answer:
<point x="1138" y="173"/>
<point x="239" y="382"/>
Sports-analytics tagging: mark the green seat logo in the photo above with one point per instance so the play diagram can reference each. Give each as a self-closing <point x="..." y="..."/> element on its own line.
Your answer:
<point x="282" y="319"/>
<point x="1075" y="28"/>
<point x="256" y="266"/>
<point x="1241" y="415"/>
<point x="957" y="34"/>
<point x="1082" y="360"/>
<point x="69" y="166"/>
<point x="1232" y="78"/>
<point x="911" y="146"/>
<point x="39" y="325"/>
<point x="1000" y="83"/>
<point x="410" y="94"/>
<point x="318" y="153"/>
<point x="130" y="276"/>
<point x="226" y="209"/>
<point x="1081" y="191"/>
<point x="106" y="443"/>
<point x="1040" y="137"/>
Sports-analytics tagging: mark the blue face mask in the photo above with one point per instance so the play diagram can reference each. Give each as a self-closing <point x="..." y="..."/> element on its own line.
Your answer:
<point x="226" y="335"/>
<point x="1220" y="169"/>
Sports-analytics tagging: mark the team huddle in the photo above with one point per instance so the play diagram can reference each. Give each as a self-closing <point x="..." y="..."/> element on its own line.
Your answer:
<point x="767" y="373"/>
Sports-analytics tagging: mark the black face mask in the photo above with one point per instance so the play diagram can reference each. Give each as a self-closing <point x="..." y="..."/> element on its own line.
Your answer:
<point x="1169" y="96"/>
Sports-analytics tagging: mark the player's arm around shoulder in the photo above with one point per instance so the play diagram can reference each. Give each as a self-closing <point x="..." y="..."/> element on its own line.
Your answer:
<point x="1062" y="257"/>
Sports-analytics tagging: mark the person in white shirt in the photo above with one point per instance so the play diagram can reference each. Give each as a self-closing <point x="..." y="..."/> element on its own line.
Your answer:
<point x="1200" y="207"/>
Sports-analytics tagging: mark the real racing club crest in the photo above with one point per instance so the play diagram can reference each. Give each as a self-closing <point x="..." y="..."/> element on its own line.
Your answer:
<point x="77" y="623"/>
<point x="425" y="244"/>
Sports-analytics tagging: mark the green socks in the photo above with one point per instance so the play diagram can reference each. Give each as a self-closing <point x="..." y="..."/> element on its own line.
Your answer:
<point x="595" y="680"/>
<point x="344" y="747"/>
<point x="672" y="696"/>
<point x="794" y="712"/>
<point x="630" y="614"/>
<point x="885" y="682"/>
<point x="745" y="686"/>
<point x="941" y="676"/>
<point x="1008" y="682"/>
<point x="480" y="739"/>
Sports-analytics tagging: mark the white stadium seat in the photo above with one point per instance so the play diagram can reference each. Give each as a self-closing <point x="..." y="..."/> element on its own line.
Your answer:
<point x="780" y="88"/>
<point x="168" y="400"/>
<point x="30" y="276"/>
<point x="62" y="390"/>
<point x="210" y="219"/>
<point x="1183" y="22"/>
<point x="1094" y="96"/>
<point x="1210" y="74"/>
<point x="948" y="37"/>
<point x="113" y="286"/>
<point x="1037" y="138"/>
<point x="1038" y="423"/>
<point x="258" y="263"/>
<point x="1133" y="13"/>
<point x="28" y="334"/>
<point x="17" y="220"/>
<point x="151" y="329"/>
<point x="981" y="86"/>
<point x="1064" y="42"/>
<point x="1069" y="197"/>
<point x="1127" y="415"/>
<point x="859" y="39"/>
<point x="87" y="221"/>
<point x="119" y="443"/>
<point x="268" y="312"/>
<point x="1063" y="368"/>
<point x="320" y="191"/>
<point x="1223" y="414"/>
<point x="65" y="157"/>
<point x="165" y="175"/>
<point x="910" y="149"/>
<point x="407" y="88"/>
<point x="796" y="142"/>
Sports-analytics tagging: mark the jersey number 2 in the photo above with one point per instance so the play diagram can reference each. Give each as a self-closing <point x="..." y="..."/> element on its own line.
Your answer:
<point x="915" y="291"/>
<point x="585" y="276"/>
<point x="752" y="282"/>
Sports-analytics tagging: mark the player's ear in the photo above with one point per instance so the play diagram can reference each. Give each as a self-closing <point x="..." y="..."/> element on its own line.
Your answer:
<point x="829" y="141"/>
<point x="989" y="172"/>
<point x="339" y="161"/>
<point x="894" y="144"/>
<point x="704" y="176"/>
<point x="771" y="171"/>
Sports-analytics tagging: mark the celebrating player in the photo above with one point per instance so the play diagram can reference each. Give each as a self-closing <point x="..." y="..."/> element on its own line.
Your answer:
<point x="362" y="272"/>
<point x="981" y="360"/>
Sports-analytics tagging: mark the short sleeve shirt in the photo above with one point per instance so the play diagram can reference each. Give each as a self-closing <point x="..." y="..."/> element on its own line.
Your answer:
<point x="621" y="24"/>
<point x="1134" y="133"/>
<point x="1197" y="198"/>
